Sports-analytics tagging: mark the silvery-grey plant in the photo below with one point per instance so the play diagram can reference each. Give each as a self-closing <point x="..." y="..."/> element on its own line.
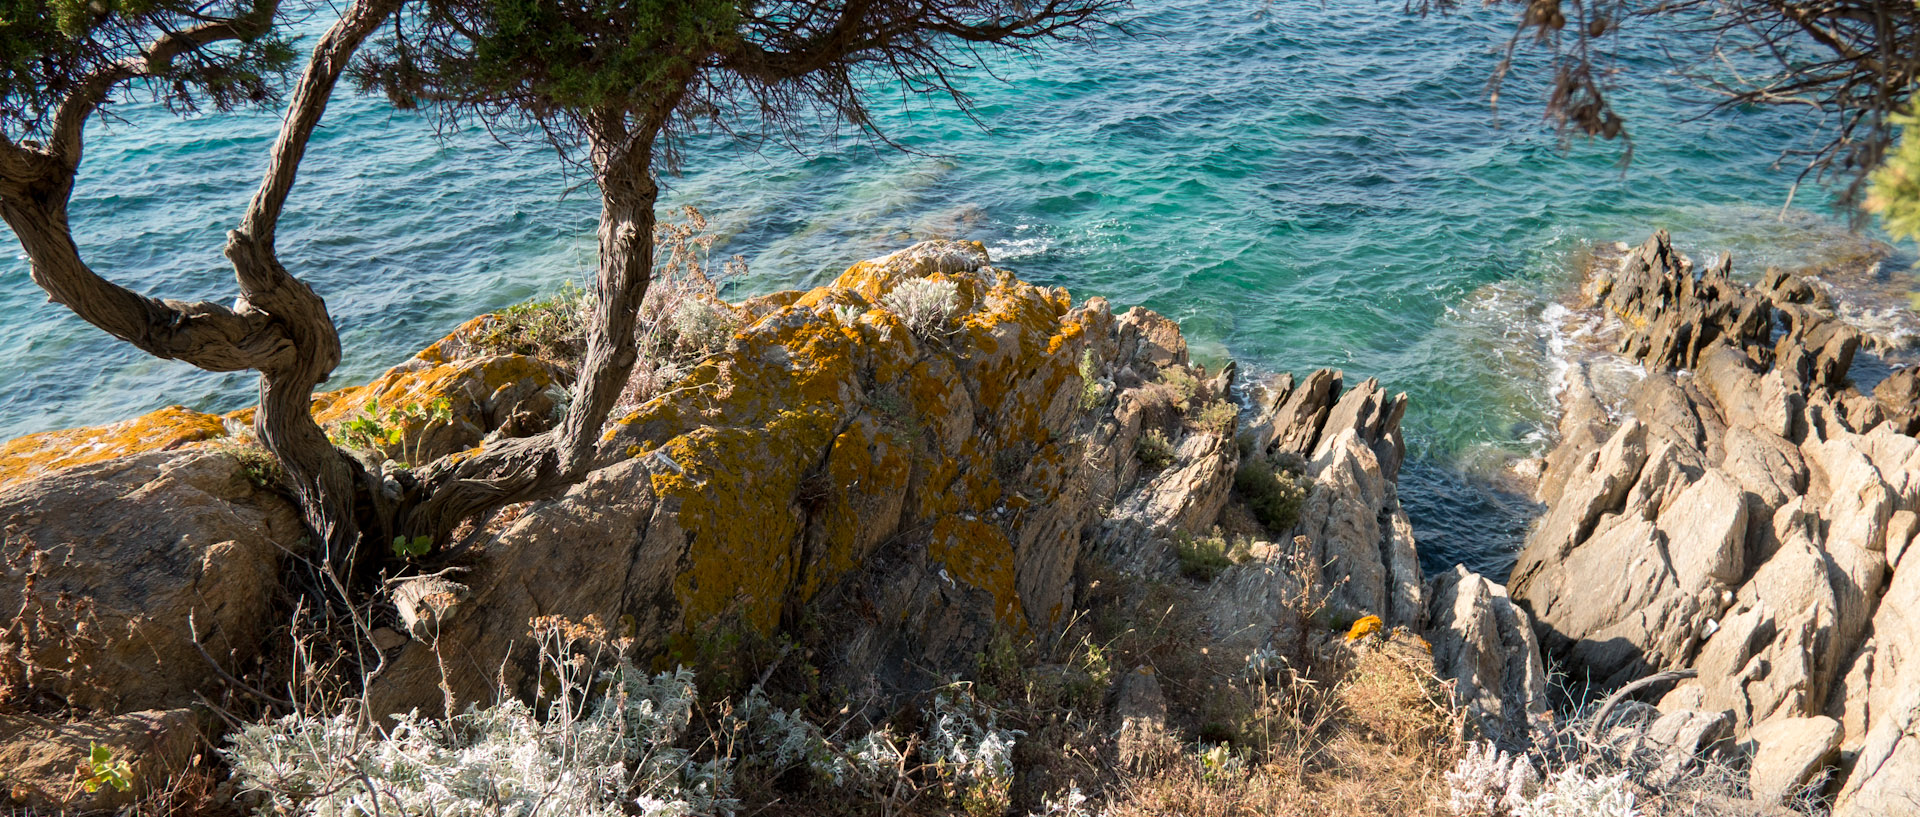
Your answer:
<point x="926" y="305"/>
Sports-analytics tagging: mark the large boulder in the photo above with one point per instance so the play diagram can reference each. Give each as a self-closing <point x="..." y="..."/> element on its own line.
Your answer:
<point x="913" y="492"/>
<point x="42" y="761"/>
<point x="115" y="565"/>
<point x="1484" y="643"/>
<point x="1886" y="763"/>
<point x="1789" y="754"/>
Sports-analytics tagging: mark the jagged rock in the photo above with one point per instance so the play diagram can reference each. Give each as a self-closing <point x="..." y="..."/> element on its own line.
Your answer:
<point x="1140" y="734"/>
<point x="1899" y="397"/>
<point x="1755" y="539"/>
<point x="1293" y="427"/>
<point x="1374" y="418"/>
<point x="1765" y="658"/>
<point x="41" y="759"/>
<point x="1182" y="500"/>
<point x="1595" y="484"/>
<point x="108" y="561"/>
<point x="1687" y="737"/>
<point x="1361" y="538"/>
<point x="1747" y="398"/>
<point x="1675" y="314"/>
<point x="1256" y="604"/>
<point x="1788" y="753"/>
<point x="1705" y="527"/>
<point x="1484" y="643"/>
<point x="1150" y="341"/>
<point x="1887" y="763"/>
<point x="1902" y="525"/>
<point x="1766" y="466"/>
<point x="1816" y="349"/>
<point x="1583" y="429"/>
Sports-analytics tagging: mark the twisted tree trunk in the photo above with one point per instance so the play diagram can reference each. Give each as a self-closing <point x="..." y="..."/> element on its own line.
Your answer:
<point x="323" y="479"/>
<point x="278" y="326"/>
<point x="517" y="470"/>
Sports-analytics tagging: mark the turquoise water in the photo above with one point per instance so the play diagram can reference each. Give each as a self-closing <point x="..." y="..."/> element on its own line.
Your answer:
<point x="1299" y="183"/>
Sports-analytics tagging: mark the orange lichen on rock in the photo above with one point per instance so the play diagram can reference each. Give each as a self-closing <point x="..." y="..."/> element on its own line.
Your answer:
<point x="37" y="455"/>
<point x="827" y="428"/>
<point x="980" y="555"/>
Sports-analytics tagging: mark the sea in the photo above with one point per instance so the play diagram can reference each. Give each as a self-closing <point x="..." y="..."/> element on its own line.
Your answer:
<point x="1300" y="183"/>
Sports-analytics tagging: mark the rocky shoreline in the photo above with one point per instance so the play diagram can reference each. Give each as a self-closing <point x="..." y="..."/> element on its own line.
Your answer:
<point x="1741" y="514"/>
<point x="892" y="496"/>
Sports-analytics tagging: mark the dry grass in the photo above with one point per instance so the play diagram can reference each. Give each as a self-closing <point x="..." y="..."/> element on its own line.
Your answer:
<point x="1356" y="778"/>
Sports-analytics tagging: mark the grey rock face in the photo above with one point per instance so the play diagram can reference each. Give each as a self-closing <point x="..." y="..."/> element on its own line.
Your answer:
<point x="1484" y="643"/>
<point x="1743" y="520"/>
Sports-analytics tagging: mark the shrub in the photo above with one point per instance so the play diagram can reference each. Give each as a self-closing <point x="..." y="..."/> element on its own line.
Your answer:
<point x="1185" y="385"/>
<point x="1217" y="417"/>
<point x="926" y="305"/>
<point x="551" y="328"/>
<point x="1155" y="450"/>
<point x="604" y="738"/>
<point x="1274" y="496"/>
<point x="1092" y="393"/>
<point x="1203" y="557"/>
<point x="1487" y="782"/>
<point x="1571" y="793"/>
<point x="592" y="754"/>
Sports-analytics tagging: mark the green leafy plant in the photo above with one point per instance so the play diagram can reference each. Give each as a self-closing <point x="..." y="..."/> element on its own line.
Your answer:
<point x="103" y="770"/>
<point x="1273" y="495"/>
<point x="383" y="430"/>
<point x="1155" y="450"/>
<point x="417" y="546"/>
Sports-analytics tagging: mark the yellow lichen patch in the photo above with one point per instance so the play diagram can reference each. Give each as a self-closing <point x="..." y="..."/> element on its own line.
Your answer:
<point x="466" y="384"/>
<point x="867" y="472"/>
<point x="979" y="555"/>
<point x="1366" y="626"/>
<point x="37" y="455"/>
<point x="764" y="305"/>
<point x="734" y="488"/>
<point x="1013" y="336"/>
<point x="450" y="348"/>
<point x="875" y="278"/>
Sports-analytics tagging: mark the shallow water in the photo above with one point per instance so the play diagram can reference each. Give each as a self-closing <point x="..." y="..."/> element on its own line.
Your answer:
<point x="1299" y="183"/>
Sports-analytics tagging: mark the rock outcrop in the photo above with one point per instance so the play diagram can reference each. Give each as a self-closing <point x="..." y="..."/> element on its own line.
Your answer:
<point x="895" y="494"/>
<point x="1738" y="514"/>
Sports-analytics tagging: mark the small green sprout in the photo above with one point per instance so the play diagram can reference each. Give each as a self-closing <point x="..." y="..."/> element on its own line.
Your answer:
<point x="103" y="770"/>
<point x="411" y="548"/>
